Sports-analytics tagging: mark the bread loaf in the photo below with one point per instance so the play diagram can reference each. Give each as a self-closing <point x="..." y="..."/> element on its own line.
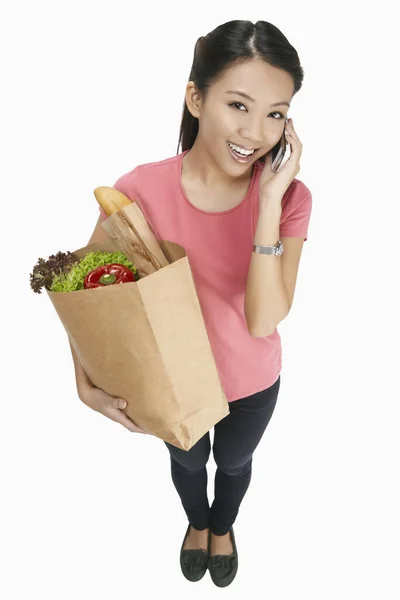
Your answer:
<point x="110" y="199"/>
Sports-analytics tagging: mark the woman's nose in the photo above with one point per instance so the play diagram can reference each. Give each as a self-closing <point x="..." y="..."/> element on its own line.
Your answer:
<point x="254" y="134"/>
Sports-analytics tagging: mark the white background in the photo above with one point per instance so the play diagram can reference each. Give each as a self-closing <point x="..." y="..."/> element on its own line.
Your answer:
<point x="88" y="509"/>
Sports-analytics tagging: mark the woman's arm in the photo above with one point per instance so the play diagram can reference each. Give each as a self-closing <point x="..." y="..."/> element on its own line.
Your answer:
<point x="266" y="301"/>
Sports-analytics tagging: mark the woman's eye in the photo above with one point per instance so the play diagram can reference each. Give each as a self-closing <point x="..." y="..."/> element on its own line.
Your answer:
<point x="281" y="116"/>
<point x="236" y="104"/>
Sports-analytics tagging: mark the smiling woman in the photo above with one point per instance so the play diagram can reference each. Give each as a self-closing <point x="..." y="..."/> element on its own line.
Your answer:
<point x="207" y="198"/>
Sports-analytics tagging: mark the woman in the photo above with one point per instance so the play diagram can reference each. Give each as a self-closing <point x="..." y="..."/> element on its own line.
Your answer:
<point x="221" y="200"/>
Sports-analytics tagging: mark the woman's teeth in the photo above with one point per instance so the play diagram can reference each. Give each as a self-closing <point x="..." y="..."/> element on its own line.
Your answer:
<point x="239" y="154"/>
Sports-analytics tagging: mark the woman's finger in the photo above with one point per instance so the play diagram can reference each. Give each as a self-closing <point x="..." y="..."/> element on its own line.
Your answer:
<point x="119" y="403"/>
<point x="296" y="147"/>
<point x="292" y="135"/>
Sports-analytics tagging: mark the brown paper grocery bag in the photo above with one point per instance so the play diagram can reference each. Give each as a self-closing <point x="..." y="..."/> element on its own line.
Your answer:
<point x="146" y="341"/>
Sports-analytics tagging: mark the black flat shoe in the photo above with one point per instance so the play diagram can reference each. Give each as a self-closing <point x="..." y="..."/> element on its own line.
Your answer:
<point x="223" y="567"/>
<point x="193" y="562"/>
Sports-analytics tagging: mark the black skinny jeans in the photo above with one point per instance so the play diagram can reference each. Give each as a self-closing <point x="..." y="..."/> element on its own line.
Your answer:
<point x="236" y="437"/>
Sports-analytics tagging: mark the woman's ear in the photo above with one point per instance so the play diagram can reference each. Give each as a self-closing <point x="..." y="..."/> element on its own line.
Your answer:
<point x="193" y="99"/>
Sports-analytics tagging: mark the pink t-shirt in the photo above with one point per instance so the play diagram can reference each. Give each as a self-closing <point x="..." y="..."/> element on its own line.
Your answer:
<point x="219" y="248"/>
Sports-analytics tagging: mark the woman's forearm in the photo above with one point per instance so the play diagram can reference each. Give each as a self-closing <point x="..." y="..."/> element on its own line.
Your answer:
<point x="266" y="302"/>
<point x="82" y="380"/>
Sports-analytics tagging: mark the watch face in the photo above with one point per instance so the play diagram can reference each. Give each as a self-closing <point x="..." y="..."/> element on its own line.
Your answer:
<point x="279" y="248"/>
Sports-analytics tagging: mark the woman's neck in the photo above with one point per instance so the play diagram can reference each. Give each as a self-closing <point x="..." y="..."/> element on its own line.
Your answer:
<point x="197" y="165"/>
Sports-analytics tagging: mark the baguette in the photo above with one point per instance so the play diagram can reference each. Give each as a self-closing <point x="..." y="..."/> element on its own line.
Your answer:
<point x="110" y="199"/>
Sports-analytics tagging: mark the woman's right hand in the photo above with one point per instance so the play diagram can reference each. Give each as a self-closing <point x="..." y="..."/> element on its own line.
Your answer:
<point x="110" y="407"/>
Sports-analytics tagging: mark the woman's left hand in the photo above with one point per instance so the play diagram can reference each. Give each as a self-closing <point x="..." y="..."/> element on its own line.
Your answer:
<point x="274" y="185"/>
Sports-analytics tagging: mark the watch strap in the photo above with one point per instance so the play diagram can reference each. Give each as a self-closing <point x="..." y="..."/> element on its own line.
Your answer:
<point x="267" y="249"/>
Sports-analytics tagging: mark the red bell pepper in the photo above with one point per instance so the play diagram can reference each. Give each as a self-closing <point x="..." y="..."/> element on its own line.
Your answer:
<point x="108" y="275"/>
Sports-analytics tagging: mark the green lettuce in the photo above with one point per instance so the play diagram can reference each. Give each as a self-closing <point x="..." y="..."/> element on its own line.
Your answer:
<point x="73" y="280"/>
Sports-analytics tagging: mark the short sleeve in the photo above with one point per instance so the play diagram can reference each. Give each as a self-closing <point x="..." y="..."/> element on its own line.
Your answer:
<point x="296" y="211"/>
<point x="128" y="185"/>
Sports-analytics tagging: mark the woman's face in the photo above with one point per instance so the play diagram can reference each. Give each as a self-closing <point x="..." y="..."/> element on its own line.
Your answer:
<point x="226" y="117"/>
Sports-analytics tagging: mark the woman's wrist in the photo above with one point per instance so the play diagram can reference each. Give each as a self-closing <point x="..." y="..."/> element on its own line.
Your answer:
<point x="267" y="230"/>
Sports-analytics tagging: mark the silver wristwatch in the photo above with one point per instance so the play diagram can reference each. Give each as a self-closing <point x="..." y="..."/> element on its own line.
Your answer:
<point x="277" y="249"/>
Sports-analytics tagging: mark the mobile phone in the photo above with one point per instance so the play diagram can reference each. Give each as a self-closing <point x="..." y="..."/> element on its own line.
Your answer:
<point x="278" y="152"/>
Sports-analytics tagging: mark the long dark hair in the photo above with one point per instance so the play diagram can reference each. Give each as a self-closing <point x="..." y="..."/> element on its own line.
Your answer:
<point x="233" y="43"/>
